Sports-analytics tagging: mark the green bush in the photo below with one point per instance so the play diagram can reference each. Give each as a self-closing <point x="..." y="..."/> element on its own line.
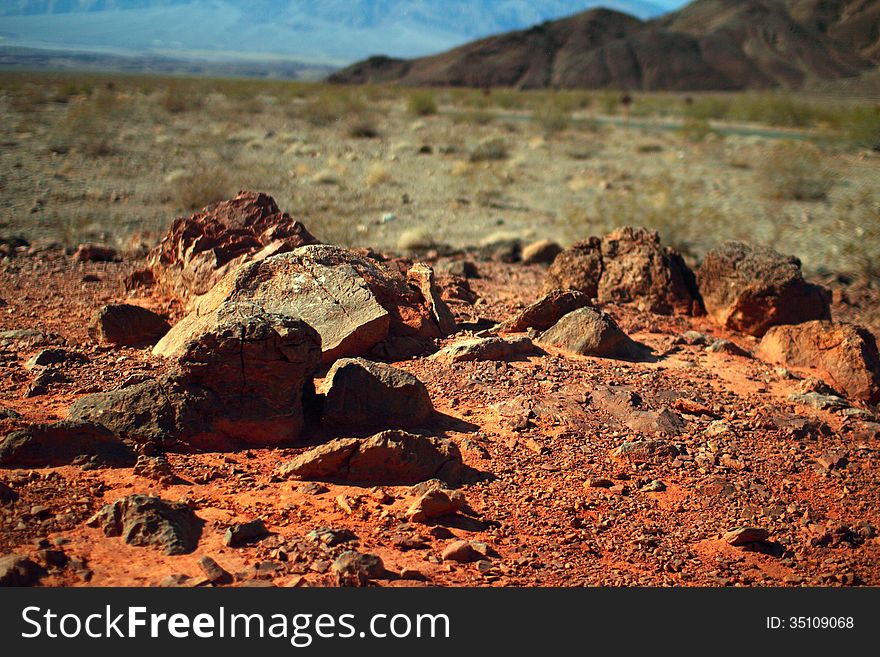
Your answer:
<point x="863" y="127"/>
<point x="797" y="171"/>
<point x="421" y="103"/>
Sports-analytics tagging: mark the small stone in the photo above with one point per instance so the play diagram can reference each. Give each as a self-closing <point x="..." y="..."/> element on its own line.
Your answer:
<point x="727" y="347"/>
<point x="739" y="536"/>
<point x="18" y="570"/>
<point x="244" y="533"/>
<point x="435" y="504"/>
<point x="461" y="552"/>
<point x="214" y="572"/>
<point x="598" y="482"/>
<point x="355" y="569"/>
<point x="331" y="537"/>
<point x="413" y="574"/>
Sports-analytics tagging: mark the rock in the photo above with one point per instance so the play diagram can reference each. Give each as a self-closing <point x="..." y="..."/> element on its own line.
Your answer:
<point x="461" y="552"/>
<point x="485" y="349"/>
<point x="390" y="457"/>
<point x="750" y="289"/>
<point x="54" y="356"/>
<point x="224" y="390"/>
<point x="435" y="504"/>
<point x="9" y="414"/>
<point x="694" y="338"/>
<point x="727" y="347"/>
<point x="819" y="401"/>
<point x="460" y="268"/>
<point x="598" y="482"/>
<point x="156" y="468"/>
<point x="94" y="253"/>
<point x="214" y="572"/>
<point x="352" y="568"/>
<point x="43" y="380"/>
<point x="331" y="537"/>
<point x="628" y="265"/>
<point x="7" y="495"/>
<point x="739" y="536"/>
<point x="127" y="325"/>
<point x="150" y="521"/>
<point x="199" y="250"/>
<point x="798" y="427"/>
<point x="637" y="269"/>
<point x="542" y="252"/>
<point x="646" y="451"/>
<point x="244" y="533"/>
<point x="25" y="339"/>
<point x="64" y="443"/>
<point x="545" y="312"/>
<point x="18" y="570"/>
<point x="845" y="355"/>
<point x="353" y="302"/>
<point x="363" y="394"/>
<point x="422" y="276"/>
<point x="578" y="267"/>
<point x="591" y="332"/>
<point x="413" y="575"/>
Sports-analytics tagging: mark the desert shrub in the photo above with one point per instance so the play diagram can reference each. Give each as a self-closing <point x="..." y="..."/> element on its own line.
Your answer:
<point x="776" y="109"/>
<point x="421" y="103"/>
<point x="609" y="101"/>
<point x="707" y="107"/>
<point x="862" y="127"/>
<point x="551" y="118"/>
<point x="489" y="150"/>
<point x="202" y="186"/>
<point x="362" y="128"/>
<point x="88" y="125"/>
<point x="331" y="106"/>
<point x="695" y="130"/>
<point x="474" y="117"/>
<point x="377" y="174"/>
<point x="179" y="97"/>
<point x="507" y="99"/>
<point x="416" y="239"/>
<point x="854" y="235"/>
<point x="796" y="171"/>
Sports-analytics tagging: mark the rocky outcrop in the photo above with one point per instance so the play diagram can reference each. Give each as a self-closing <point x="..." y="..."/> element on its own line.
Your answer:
<point x="390" y="457"/>
<point x="750" y="289"/>
<point x="350" y="300"/>
<point x="200" y="249"/>
<point x="591" y="332"/>
<point x="845" y="355"/>
<point x="64" y="443"/>
<point x="628" y="265"/>
<point x="360" y="394"/>
<point x="127" y="325"/>
<point x="238" y="378"/>
<point x="150" y="522"/>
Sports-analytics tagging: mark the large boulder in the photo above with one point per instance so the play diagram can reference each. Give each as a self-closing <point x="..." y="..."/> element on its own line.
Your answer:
<point x="751" y="288"/>
<point x="591" y="332"/>
<point x="237" y="378"/>
<point x="845" y="355"/>
<point x="360" y="394"/>
<point x="200" y="249"/>
<point x="628" y="265"/>
<point x="127" y="325"/>
<point x="143" y="520"/>
<point x="390" y="458"/>
<point x="352" y="301"/>
<point x="64" y="443"/>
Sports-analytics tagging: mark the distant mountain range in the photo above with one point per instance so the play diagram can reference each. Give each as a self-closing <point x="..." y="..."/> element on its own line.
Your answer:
<point x="707" y="45"/>
<point x="335" y="32"/>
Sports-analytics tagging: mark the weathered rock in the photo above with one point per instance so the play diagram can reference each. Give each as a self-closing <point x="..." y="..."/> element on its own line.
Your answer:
<point x="819" y="401"/>
<point x="637" y="269"/>
<point x="460" y="268"/>
<point x="156" y="468"/>
<point x="9" y="414"/>
<point x="646" y="451"/>
<point x="845" y="355"/>
<point x="238" y="379"/>
<point x="750" y="289"/>
<point x="390" y="457"/>
<point x="625" y="407"/>
<point x="485" y="349"/>
<point x="244" y="533"/>
<point x="363" y="394"/>
<point x="215" y="573"/>
<point x="7" y="495"/>
<point x="54" y="356"/>
<point x="540" y="252"/>
<point x="352" y="568"/>
<point x="94" y="253"/>
<point x="331" y="537"/>
<point x="628" y="265"/>
<point x="18" y="570"/>
<point x="199" y="250"/>
<point x="727" y="347"/>
<point x="578" y="267"/>
<point x="64" y="443"/>
<point x="591" y="332"/>
<point x="461" y="552"/>
<point x="127" y="325"/>
<point x="150" y="521"/>
<point x="739" y="536"/>
<point x="422" y="276"/>
<point x="435" y="504"/>
<point x="545" y="312"/>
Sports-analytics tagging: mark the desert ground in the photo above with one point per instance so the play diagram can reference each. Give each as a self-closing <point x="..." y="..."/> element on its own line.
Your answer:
<point x="550" y="496"/>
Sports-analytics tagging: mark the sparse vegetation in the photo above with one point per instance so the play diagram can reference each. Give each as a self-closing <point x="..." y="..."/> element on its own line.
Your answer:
<point x="797" y="171"/>
<point x="421" y="103"/>
<point x="202" y="186"/>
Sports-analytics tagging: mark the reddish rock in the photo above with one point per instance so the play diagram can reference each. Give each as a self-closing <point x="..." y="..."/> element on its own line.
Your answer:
<point x="628" y="265"/>
<point x="485" y="349"/>
<point x="540" y="252"/>
<point x="545" y="312"/>
<point x="750" y="289"/>
<point x="422" y="276"/>
<point x="94" y="253"/>
<point x="845" y="355"/>
<point x="200" y="249"/>
<point x="591" y="332"/>
<point x="124" y="324"/>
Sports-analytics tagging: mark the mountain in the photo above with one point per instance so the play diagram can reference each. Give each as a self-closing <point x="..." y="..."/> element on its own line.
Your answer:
<point x="707" y="45"/>
<point x="320" y="31"/>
